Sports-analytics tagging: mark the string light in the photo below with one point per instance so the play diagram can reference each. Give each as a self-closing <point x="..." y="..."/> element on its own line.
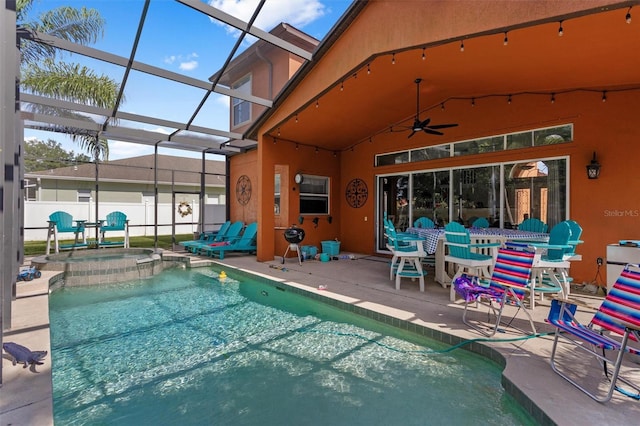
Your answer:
<point x="393" y="58"/>
<point x="341" y="86"/>
<point x="553" y="98"/>
<point x="296" y="118"/>
<point x="506" y="39"/>
<point x="335" y="154"/>
<point x="473" y="102"/>
<point x="317" y="103"/>
<point x="278" y="131"/>
<point x="274" y="141"/>
<point x="509" y="100"/>
<point x="628" y="17"/>
<point x="297" y="146"/>
<point x="604" y="96"/>
<point x="368" y="69"/>
<point x="424" y="55"/>
<point x="442" y="106"/>
<point x="461" y="46"/>
<point x="560" y="30"/>
<point x="316" y="149"/>
<point x="355" y="75"/>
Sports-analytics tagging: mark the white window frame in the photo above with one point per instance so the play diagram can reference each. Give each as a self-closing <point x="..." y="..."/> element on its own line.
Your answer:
<point x="243" y="85"/>
<point x="322" y="191"/>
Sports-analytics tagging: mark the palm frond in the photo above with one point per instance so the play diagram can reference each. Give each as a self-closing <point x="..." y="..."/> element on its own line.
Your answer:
<point x="71" y="82"/>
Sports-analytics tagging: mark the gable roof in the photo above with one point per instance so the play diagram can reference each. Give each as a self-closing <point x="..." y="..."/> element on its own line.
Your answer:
<point x="180" y="170"/>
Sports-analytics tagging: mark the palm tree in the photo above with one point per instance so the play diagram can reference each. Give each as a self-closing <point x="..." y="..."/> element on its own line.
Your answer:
<point x="44" y="73"/>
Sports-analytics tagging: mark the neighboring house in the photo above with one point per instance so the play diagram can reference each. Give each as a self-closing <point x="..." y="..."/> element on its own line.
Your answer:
<point x="262" y="70"/>
<point x="536" y="89"/>
<point x="127" y="185"/>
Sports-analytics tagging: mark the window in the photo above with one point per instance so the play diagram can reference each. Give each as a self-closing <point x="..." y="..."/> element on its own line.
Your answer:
<point x="30" y="190"/>
<point x="528" y="139"/>
<point x="241" y="109"/>
<point x="276" y="197"/>
<point x="314" y="195"/>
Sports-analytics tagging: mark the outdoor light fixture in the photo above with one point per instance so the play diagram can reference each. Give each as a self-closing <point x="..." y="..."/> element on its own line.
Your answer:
<point x="393" y="58"/>
<point x="424" y="56"/>
<point x="560" y="30"/>
<point x="628" y="17"/>
<point x="461" y="46"/>
<point x="593" y="168"/>
<point x="506" y="39"/>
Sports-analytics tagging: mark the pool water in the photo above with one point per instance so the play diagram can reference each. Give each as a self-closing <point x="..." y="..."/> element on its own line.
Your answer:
<point x="183" y="348"/>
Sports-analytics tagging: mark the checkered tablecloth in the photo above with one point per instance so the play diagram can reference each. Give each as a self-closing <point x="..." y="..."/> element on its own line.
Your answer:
<point x="432" y="235"/>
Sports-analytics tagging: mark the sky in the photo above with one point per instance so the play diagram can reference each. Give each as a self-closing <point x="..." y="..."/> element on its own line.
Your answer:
<point x="180" y="39"/>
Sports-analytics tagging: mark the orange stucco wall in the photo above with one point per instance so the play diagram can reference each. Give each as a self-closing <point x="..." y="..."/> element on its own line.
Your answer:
<point x="606" y="208"/>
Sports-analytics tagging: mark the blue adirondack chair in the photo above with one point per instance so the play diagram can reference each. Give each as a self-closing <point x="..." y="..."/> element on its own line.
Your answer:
<point x="63" y="222"/>
<point x="424" y="222"/>
<point x="465" y="255"/>
<point x="115" y="221"/>
<point x="246" y="243"/>
<point x="481" y="222"/>
<point x="533" y="225"/>
<point x="551" y="268"/>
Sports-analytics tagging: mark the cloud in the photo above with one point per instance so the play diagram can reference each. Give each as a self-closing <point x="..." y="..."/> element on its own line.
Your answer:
<point x="188" y="66"/>
<point x="185" y="62"/>
<point x="295" y="12"/>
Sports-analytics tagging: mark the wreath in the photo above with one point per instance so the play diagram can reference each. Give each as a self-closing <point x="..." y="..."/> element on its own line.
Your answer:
<point x="184" y="209"/>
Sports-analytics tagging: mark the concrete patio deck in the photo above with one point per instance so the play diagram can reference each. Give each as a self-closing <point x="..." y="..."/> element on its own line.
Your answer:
<point x="25" y="397"/>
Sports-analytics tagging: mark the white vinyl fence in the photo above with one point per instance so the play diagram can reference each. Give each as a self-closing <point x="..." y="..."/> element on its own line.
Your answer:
<point x="141" y="217"/>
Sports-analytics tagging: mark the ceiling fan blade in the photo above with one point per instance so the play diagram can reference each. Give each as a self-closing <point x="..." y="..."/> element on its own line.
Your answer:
<point x="413" y="132"/>
<point x="432" y="132"/>
<point x="425" y="122"/>
<point x="442" y="126"/>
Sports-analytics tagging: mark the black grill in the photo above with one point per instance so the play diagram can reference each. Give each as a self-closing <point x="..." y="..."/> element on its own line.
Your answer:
<point x="294" y="235"/>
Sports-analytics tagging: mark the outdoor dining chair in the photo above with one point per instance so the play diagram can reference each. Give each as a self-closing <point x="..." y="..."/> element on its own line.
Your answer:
<point x="407" y="255"/>
<point x="465" y="255"/>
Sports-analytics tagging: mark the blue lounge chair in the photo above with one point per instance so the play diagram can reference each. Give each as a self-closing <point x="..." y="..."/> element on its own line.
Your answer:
<point x="229" y="237"/>
<point x="245" y="243"/>
<point x="115" y="221"/>
<point x="206" y="237"/>
<point x="613" y="332"/>
<point x="61" y="222"/>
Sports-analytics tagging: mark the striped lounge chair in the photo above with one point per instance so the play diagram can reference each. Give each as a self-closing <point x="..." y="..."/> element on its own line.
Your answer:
<point x="509" y="284"/>
<point x="612" y="334"/>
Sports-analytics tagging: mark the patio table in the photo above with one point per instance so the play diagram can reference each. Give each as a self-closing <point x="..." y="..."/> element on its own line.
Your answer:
<point x="434" y="243"/>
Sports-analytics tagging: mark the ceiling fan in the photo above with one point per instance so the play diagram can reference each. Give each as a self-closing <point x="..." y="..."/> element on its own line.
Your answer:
<point x="424" y="125"/>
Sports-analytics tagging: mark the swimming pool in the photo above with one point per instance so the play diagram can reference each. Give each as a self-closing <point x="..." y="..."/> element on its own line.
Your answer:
<point x="184" y="348"/>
